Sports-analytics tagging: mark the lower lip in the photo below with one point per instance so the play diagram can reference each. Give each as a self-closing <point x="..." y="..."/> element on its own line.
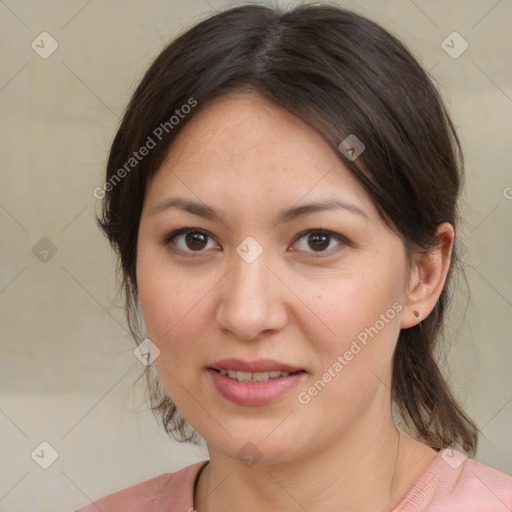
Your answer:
<point x="254" y="393"/>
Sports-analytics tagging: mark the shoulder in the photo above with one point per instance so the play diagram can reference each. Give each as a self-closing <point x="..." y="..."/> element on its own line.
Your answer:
<point x="454" y="482"/>
<point x="158" y="494"/>
<point x="482" y="487"/>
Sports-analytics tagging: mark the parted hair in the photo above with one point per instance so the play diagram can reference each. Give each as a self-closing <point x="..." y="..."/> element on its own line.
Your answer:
<point x="342" y="74"/>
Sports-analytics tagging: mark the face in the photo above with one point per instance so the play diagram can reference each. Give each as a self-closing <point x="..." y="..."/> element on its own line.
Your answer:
<point x="320" y="290"/>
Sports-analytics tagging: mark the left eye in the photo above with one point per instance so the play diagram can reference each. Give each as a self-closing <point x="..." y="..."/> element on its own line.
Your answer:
<point x="197" y="239"/>
<point x="319" y="240"/>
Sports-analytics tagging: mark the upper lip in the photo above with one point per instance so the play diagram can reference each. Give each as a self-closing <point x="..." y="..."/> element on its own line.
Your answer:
<point x="260" y="365"/>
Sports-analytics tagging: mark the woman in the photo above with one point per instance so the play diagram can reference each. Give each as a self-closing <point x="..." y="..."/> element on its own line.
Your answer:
<point x="282" y="194"/>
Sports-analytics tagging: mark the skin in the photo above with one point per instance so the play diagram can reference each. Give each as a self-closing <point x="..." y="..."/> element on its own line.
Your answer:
<point x="296" y="303"/>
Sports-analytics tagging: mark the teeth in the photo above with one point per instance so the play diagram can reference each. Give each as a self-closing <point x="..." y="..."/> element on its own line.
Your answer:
<point x="253" y="377"/>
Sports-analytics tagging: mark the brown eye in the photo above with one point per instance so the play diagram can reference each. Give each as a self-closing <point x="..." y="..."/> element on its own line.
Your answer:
<point x="187" y="240"/>
<point x="195" y="240"/>
<point x="319" y="241"/>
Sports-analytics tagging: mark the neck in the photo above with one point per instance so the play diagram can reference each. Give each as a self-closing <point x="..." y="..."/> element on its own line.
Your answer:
<point x="369" y="469"/>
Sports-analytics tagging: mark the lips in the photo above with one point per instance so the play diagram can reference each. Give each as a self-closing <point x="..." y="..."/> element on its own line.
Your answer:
<point x="260" y="365"/>
<point x="255" y="393"/>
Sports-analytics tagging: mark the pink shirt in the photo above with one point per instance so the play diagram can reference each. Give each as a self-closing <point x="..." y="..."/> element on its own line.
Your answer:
<point x="451" y="483"/>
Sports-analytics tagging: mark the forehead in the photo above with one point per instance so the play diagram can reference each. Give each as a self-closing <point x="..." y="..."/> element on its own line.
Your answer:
<point x="245" y="145"/>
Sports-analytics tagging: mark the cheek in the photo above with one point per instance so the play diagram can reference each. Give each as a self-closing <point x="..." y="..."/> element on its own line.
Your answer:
<point x="349" y="304"/>
<point x="173" y="305"/>
<point x="354" y="362"/>
<point x="358" y="319"/>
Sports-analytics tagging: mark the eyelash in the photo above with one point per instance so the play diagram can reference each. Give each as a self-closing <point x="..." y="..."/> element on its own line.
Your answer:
<point x="168" y="240"/>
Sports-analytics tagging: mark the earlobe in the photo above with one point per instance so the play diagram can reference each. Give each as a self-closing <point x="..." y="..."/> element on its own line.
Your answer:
<point x="427" y="282"/>
<point x="414" y="310"/>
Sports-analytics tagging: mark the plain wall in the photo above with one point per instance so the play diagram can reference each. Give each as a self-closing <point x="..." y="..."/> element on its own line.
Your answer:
<point x="68" y="371"/>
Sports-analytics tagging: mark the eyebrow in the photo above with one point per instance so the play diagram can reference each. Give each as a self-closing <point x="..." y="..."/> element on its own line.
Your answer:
<point x="286" y="215"/>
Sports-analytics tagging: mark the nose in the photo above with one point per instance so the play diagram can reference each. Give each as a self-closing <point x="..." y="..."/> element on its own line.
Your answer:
<point x="253" y="300"/>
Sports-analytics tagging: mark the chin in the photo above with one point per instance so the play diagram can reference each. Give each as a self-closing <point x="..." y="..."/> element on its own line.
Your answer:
<point x="257" y="450"/>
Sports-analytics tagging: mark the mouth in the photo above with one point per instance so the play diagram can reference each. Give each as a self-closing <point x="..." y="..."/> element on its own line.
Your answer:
<point x="254" y="383"/>
<point x="254" y="376"/>
<point x="254" y="367"/>
<point x="261" y="370"/>
<point x="242" y="389"/>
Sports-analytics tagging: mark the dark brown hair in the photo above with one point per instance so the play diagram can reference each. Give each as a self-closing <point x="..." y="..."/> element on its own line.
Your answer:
<point x="342" y="74"/>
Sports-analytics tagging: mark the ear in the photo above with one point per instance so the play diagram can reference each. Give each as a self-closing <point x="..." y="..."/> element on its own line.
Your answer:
<point x="427" y="279"/>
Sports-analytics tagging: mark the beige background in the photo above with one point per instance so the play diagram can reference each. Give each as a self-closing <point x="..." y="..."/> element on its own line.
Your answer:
<point x="67" y="370"/>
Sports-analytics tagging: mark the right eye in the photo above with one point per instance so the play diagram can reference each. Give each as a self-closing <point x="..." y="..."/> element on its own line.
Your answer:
<point x="194" y="241"/>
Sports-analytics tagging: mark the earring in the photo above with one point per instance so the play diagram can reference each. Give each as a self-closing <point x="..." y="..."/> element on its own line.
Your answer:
<point x="417" y="314"/>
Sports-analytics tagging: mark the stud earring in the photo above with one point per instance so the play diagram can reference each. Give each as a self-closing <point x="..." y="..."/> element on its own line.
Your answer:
<point x="417" y="314"/>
